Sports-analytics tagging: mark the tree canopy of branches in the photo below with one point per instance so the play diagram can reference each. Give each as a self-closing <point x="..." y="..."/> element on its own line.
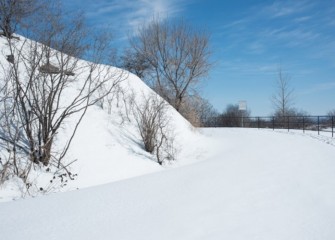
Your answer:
<point x="13" y="12"/>
<point x="283" y="97"/>
<point x="199" y="111"/>
<point x="331" y="113"/>
<point x="178" y="57"/>
<point x="135" y="63"/>
<point x="43" y="87"/>
<point x="232" y="116"/>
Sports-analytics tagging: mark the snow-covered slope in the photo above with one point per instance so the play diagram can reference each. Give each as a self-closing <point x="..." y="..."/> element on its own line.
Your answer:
<point x="260" y="185"/>
<point x="107" y="146"/>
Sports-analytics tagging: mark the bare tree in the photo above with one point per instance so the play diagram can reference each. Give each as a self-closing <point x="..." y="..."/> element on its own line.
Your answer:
<point x="331" y="117"/>
<point x="232" y="116"/>
<point x="331" y="113"/>
<point x="44" y="86"/>
<point x="199" y="111"/>
<point x="283" y="98"/>
<point x="153" y="125"/>
<point x="13" y="12"/>
<point x="178" y="56"/>
<point x="135" y="63"/>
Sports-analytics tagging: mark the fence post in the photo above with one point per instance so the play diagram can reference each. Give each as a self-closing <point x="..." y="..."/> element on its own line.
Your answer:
<point x="288" y="123"/>
<point x="332" y="126"/>
<point x="303" y="124"/>
<point x="273" y="123"/>
<point x="318" y="125"/>
<point x="258" y="122"/>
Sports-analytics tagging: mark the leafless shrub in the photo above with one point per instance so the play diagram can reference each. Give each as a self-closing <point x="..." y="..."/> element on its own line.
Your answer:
<point x="188" y="111"/>
<point x="128" y="102"/>
<point x="198" y="111"/>
<point x="153" y="125"/>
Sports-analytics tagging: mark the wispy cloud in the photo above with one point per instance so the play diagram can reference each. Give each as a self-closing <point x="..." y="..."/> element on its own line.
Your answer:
<point x="286" y="8"/>
<point x="302" y="19"/>
<point x="317" y="88"/>
<point x="246" y="68"/>
<point x="269" y="68"/>
<point x="145" y="10"/>
<point x="302" y="25"/>
<point x="126" y="16"/>
<point x="234" y="24"/>
<point x="296" y="37"/>
<point x="256" y="47"/>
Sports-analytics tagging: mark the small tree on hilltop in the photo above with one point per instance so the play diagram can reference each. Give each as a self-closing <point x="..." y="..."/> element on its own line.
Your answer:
<point x="178" y="57"/>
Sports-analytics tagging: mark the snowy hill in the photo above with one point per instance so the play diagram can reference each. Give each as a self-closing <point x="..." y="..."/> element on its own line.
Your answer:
<point x="117" y="150"/>
<point x="107" y="146"/>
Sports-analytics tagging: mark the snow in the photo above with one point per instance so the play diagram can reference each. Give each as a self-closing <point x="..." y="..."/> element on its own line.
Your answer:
<point x="107" y="146"/>
<point x="227" y="183"/>
<point x="259" y="184"/>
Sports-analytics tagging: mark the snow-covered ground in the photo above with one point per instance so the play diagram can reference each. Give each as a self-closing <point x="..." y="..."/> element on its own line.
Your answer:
<point x="224" y="184"/>
<point x="256" y="184"/>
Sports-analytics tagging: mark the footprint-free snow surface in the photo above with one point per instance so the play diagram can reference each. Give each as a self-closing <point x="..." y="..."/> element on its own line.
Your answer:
<point x="257" y="184"/>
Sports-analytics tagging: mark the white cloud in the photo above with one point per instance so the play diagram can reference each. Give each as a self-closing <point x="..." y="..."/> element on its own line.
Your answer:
<point x="269" y="68"/>
<point x="326" y="86"/>
<point x="286" y="8"/>
<point x="127" y="15"/>
<point x="256" y="47"/>
<point x="298" y="34"/>
<point x="302" y="19"/>
<point x="234" y="24"/>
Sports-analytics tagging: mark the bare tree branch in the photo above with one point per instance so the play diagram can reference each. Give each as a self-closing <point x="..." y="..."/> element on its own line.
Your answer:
<point x="154" y="127"/>
<point x="178" y="56"/>
<point x="283" y="98"/>
<point x="46" y="84"/>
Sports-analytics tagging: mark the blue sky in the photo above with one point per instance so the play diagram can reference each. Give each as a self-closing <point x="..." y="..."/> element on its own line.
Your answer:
<point x="250" y="40"/>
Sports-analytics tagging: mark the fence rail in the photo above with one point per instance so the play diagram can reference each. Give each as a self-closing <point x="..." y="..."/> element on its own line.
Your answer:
<point x="311" y="123"/>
